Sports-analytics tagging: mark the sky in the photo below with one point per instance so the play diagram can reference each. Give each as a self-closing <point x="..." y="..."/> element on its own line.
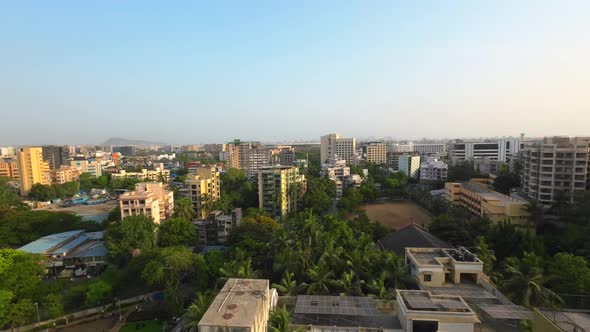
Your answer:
<point x="79" y="72"/>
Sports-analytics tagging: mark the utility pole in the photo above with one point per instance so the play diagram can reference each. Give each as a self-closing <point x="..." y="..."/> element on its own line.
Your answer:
<point x="38" y="316"/>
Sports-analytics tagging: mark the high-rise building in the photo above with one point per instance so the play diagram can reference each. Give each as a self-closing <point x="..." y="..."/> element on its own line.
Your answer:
<point x="335" y="147"/>
<point x="9" y="168"/>
<point x="337" y="171"/>
<point x="242" y="305"/>
<point x="65" y="174"/>
<point x="204" y="188"/>
<point x="409" y="165"/>
<point x="32" y="169"/>
<point x="433" y="170"/>
<point x="375" y="152"/>
<point x="127" y="151"/>
<point x="56" y="156"/>
<point x="151" y="199"/>
<point x="283" y="155"/>
<point x="500" y="150"/>
<point x="279" y="187"/>
<point x="556" y="166"/>
<point x="247" y="156"/>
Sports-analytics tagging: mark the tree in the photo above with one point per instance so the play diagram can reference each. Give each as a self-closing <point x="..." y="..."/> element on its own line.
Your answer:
<point x="170" y="268"/>
<point x="54" y="304"/>
<point x="177" y="232"/>
<point x="197" y="309"/>
<point x="319" y="194"/>
<point x="135" y="232"/>
<point x="505" y="181"/>
<point x="289" y="286"/>
<point x="20" y="272"/>
<point x="321" y="277"/>
<point x="525" y="282"/>
<point x="485" y="255"/>
<point x="21" y="312"/>
<point x="42" y="192"/>
<point x="571" y="274"/>
<point x="279" y="320"/>
<point x="184" y="209"/>
<point x="98" y="293"/>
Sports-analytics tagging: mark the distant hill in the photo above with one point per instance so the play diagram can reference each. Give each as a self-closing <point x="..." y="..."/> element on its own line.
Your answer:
<point x="125" y="141"/>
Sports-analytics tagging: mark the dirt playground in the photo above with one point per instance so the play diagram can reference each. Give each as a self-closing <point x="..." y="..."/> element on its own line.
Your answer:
<point x="398" y="213"/>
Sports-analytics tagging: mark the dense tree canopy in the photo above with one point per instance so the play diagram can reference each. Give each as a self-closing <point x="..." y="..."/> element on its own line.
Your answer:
<point x="177" y="232"/>
<point x="132" y="234"/>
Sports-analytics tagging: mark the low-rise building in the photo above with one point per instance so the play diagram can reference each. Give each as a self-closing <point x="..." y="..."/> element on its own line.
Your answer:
<point x="433" y="170"/>
<point x="203" y="188"/>
<point x="158" y="174"/>
<point x="65" y="174"/>
<point x="71" y="253"/>
<point x="217" y="228"/>
<point x="242" y="305"/>
<point x="482" y="201"/>
<point x="92" y="167"/>
<point x="445" y="273"/>
<point x="151" y="199"/>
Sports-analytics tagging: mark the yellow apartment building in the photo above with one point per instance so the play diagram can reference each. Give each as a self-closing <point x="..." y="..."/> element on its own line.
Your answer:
<point x="9" y="168"/>
<point x="32" y="169"/>
<point x="203" y="183"/>
<point x="279" y="188"/>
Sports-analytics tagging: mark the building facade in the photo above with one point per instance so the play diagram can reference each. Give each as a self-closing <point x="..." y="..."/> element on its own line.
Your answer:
<point x="556" y="166"/>
<point x="335" y="147"/>
<point x="279" y="188"/>
<point x="375" y="152"/>
<point x="204" y="188"/>
<point x="94" y="168"/>
<point x="56" y="156"/>
<point x="158" y="174"/>
<point x="127" y="151"/>
<point x="151" y="199"/>
<point x="409" y="165"/>
<point x="65" y="174"/>
<point x="247" y="156"/>
<point x="32" y="169"/>
<point x="433" y="170"/>
<point x="484" y="202"/>
<point x="501" y="150"/>
<point x="217" y="228"/>
<point x="9" y="168"/>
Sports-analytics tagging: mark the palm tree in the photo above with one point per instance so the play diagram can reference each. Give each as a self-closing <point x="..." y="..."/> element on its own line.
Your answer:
<point x="238" y="269"/>
<point x="396" y="274"/>
<point x="525" y="282"/>
<point x="184" y="209"/>
<point x="205" y="205"/>
<point x="197" y="309"/>
<point x="349" y="284"/>
<point x="379" y="289"/>
<point x="485" y="254"/>
<point x="279" y="320"/>
<point x="321" y="277"/>
<point x="289" y="286"/>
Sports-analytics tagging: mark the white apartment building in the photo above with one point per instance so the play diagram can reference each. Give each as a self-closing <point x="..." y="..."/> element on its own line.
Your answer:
<point x="335" y="147"/>
<point x="374" y="152"/>
<point x="500" y="150"/>
<point x="433" y="170"/>
<point x="421" y="148"/>
<point x="409" y="165"/>
<point x="337" y="171"/>
<point x="65" y="174"/>
<point x="554" y="166"/>
<point x="86" y="166"/>
<point x="151" y="199"/>
<point x="154" y="175"/>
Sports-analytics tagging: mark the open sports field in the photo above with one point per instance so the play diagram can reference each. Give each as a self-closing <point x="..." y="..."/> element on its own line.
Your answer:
<point x="398" y="213"/>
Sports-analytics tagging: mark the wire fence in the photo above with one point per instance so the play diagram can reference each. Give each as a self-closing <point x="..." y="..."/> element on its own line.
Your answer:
<point x="562" y="321"/>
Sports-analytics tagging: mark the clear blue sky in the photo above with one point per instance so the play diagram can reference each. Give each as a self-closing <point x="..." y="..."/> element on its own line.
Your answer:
<point x="210" y="71"/>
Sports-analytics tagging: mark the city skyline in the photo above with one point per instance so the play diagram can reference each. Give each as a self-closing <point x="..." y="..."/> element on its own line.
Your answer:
<point x="188" y="72"/>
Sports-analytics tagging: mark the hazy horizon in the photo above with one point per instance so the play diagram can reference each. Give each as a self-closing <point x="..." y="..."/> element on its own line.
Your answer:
<point x="185" y="72"/>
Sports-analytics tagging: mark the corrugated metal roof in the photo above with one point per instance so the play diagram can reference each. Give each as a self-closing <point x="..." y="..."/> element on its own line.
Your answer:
<point x="47" y="242"/>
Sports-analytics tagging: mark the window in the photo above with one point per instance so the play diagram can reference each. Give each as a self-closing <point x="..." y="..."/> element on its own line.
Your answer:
<point x="427" y="277"/>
